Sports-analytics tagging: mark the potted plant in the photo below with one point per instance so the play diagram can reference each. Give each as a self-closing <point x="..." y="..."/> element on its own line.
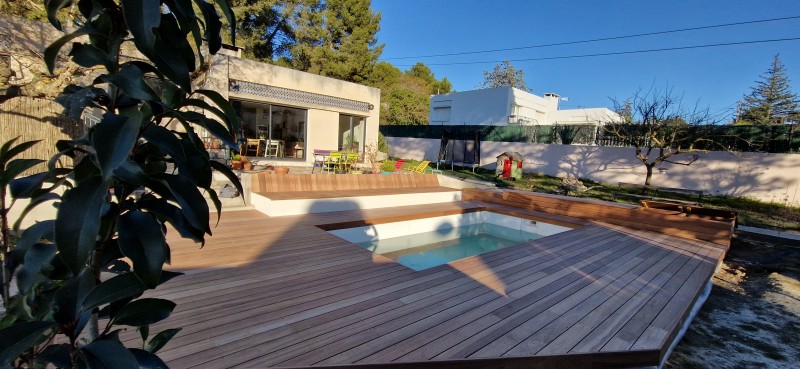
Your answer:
<point x="281" y="170"/>
<point x="246" y="164"/>
<point x="236" y="162"/>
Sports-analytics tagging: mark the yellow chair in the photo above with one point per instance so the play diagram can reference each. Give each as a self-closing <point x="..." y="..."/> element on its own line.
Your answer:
<point x="333" y="162"/>
<point x="419" y="168"/>
<point x="350" y="161"/>
<point x="252" y="147"/>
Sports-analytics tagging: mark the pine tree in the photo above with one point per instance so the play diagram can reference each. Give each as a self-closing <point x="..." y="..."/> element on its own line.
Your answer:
<point x="338" y="41"/>
<point x="771" y="100"/>
<point x="504" y="74"/>
<point x="265" y="28"/>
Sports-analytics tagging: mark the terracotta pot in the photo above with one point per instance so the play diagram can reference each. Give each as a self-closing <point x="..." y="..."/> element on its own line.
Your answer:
<point x="247" y="166"/>
<point x="236" y="165"/>
<point x="281" y="170"/>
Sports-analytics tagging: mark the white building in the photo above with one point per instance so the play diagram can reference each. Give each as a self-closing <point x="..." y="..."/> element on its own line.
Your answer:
<point x="507" y="105"/>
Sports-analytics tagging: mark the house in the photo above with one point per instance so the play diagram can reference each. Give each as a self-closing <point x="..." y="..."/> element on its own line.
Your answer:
<point x="291" y="111"/>
<point x="502" y="106"/>
<point x="295" y="111"/>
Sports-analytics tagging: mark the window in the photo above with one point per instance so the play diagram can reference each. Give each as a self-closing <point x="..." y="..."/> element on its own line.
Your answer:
<point x="282" y="129"/>
<point x="352" y="131"/>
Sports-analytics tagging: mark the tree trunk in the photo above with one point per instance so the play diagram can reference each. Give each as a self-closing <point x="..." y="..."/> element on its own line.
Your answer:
<point x="649" y="176"/>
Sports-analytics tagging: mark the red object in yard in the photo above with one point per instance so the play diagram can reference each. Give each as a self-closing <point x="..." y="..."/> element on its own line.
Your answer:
<point x="507" y="168"/>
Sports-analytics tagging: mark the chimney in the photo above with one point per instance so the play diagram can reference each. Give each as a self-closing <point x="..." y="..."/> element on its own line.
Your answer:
<point x="552" y="100"/>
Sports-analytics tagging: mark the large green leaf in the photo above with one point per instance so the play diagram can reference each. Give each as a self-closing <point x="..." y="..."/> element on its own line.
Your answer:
<point x="161" y="339"/>
<point x="228" y="173"/>
<point x="107" y="354"/>
<point x="58" y="355"/>
<point x="34" y="234"/>
<point x="113" y="139"/>
<point x="142" y="16"/>
<point x="148" y="360"/>
<point x="211" y="125"/>
<point x="225" y="106"/>
<point x="192" y="202"/>
<point x="231" y="18"/>
<point x="130" y="80"/>
<point x="51" y="52"/>
<point x="36" y="201"/>
<point x="70" y="296"/>
<point x="144" y="312"/>
<point x="174" y="216"/>
<point x="213" y="109"/>
<point x="20" y="337"/>
<point x="15" y="168"/>
<point x="117" y="288"/>
<point x="172" y="36"/>
<point x="88" y="56"/>
<point x="78" y="220"/>
<point x="213" y="25"/>
<point x="142" y="240"/>
<point x="7" y="151"/>
<point x="26" y="187"/>
<point x="53" y="6"/>
<point x="37" y="258"/>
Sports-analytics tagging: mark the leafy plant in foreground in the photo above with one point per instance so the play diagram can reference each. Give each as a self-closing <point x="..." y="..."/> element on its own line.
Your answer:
<point x="136" y="173"/>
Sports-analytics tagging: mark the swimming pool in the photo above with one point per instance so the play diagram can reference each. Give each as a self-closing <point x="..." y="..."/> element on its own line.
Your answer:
<point x="425" y="243"/>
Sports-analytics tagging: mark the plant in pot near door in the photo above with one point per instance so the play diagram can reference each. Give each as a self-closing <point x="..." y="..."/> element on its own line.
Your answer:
<point x="236" y="162"/>
<point x="246" y="164"/>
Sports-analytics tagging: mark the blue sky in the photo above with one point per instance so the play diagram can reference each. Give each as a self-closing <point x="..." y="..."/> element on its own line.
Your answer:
<point x="713" y="77"/>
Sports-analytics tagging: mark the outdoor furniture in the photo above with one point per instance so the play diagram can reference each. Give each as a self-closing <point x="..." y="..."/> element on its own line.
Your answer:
<point x="349" y="160"/>
<point x="274" y="149"/>
<point x="320" y="156"/>
<point x="252" y="147"/>
<point x="656" y="193"/>
<point x="333" y="162"/>
<point x="419" y="168"/>
<point x="398" y="166"/>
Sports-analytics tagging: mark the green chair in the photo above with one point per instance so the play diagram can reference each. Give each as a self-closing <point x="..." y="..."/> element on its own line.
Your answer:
<point x="350" y="161"/>
<point x="333" y="162"/>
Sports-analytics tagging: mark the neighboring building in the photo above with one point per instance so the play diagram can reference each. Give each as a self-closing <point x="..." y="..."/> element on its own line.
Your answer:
<point x="507" y="105"/>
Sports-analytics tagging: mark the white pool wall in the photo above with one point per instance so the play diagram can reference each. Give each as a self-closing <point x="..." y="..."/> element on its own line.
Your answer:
<point x="443" y="226"/>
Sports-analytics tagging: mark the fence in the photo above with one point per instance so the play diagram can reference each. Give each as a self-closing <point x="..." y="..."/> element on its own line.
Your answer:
<point x="37" y="119"/>
<point x="772" y="139"/>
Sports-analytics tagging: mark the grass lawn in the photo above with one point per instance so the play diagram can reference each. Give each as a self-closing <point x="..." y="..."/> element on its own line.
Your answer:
<point x="751" y="212"/>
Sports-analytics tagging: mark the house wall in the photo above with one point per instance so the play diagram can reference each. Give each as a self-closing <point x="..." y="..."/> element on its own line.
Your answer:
<point x="488" y="106"/>
<point x="763" y="176"/>
<point x="322" y="125"/>
<point x="494" y="106"/>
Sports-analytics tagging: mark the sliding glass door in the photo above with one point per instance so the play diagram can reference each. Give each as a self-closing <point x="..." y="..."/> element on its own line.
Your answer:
<point x="281" y="129"/>
<point x="352" y="132"/>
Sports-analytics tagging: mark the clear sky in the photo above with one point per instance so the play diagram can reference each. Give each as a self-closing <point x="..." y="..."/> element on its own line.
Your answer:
<point x="714" y="77"/>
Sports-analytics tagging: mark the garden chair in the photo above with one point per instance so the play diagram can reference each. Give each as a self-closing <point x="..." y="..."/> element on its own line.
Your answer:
<point x="333" y="162"/>
<point x="252" y="147"/>
<point x="350" y="160"/>
<point x="398" y="166"/>
<point x="419" y="168"/>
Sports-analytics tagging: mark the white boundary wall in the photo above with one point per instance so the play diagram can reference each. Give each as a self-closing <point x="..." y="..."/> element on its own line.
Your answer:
<point x="763" y="176"/>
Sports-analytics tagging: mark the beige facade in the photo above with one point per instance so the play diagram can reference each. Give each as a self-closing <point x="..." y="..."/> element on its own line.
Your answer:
<point x="302" y="112"/>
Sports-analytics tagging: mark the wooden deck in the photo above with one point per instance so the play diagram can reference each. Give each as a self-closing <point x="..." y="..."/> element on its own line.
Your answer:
<point x="282" y="292"/>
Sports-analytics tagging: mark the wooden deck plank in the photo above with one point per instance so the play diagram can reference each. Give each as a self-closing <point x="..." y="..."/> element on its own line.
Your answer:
<point x="291" y="294"/>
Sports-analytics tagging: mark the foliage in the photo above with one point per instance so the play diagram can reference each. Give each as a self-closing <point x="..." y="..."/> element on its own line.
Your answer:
<point x="658" y="131"/>
<point x="338" y="40"/>
<point x="383" y="145"/>
<point x="266" y="28"/>
<point x="771" y="101"/>
<point x="504" y="74"/>
<point x="405" y="96"/>
<point x="116" y="201"/>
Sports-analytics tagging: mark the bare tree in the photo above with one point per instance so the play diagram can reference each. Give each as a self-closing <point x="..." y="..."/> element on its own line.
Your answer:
<point x="661" y="129"/>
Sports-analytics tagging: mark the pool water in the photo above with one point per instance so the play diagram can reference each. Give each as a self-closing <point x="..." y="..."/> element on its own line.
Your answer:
<point x="429" y="249"/>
